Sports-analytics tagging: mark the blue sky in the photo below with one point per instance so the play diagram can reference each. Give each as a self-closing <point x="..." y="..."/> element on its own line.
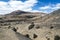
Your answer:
<point x="46" y="6"/>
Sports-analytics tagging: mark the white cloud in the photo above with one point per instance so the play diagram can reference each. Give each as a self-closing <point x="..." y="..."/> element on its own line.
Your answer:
<point x="45" y="7"/>
<point x="50" y="8"/>
<point x="12" y="5"/>
<point x="35" y="11"/>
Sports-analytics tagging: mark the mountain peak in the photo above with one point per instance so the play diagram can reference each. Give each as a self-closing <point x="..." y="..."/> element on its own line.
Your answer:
<point x="17" y="12"/>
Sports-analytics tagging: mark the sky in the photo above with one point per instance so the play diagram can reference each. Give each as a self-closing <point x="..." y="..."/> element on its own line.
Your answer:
<point x="45" y="6"/>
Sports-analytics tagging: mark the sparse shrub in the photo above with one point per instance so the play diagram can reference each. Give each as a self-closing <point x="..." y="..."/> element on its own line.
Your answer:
<point x="27" y="35"/>
<point x="47" y="38"/>
<point x="37" y="27"/>
<point x="9" y="27"/>
<point x="31" y="26"/>
<point x="14" y="29"/>
<point x="51" y="27"/>
<point x="57" y="37"/>
<point x="29" y="16"/>
<point x="34" y="36"/>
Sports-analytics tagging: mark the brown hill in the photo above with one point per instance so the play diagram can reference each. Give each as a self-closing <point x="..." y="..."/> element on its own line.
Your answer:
<point x="21" y="16"/>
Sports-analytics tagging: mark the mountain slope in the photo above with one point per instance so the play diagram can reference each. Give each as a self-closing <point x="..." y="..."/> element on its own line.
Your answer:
<point x="54" y="16"/>
<point x="7" y="34"/>
<point x="22" y="16"/>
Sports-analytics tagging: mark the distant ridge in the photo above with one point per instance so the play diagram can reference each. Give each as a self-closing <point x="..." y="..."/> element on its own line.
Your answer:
<point x="17" y="12"/>
<point x="56" y="11"/>
<point x="52" y="17"/>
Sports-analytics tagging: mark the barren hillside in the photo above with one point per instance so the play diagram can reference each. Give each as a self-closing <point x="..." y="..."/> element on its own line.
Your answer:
<point x="20" y="25"/>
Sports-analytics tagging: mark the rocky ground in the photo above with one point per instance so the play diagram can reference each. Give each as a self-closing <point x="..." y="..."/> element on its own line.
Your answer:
<point x="30" y="27"/>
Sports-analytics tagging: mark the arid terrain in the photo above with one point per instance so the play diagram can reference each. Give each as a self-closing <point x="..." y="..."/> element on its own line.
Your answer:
<point x="20" y="25"/>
